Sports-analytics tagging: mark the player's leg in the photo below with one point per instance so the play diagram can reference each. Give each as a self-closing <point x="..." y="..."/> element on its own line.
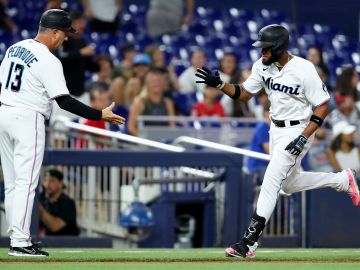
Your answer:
<point x="29" y="139"/>
<point x="7" y="165"/>
<point x="302" y="181"/>
<point x="342" y="181"/>
<point x="281" y="165"/>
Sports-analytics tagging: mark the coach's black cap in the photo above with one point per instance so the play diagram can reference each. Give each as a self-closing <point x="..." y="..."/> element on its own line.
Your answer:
<point x="57" y="19"/>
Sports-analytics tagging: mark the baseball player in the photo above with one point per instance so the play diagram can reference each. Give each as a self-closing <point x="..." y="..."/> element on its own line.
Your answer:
<point x="299" y="104"/>
<point x="31" y="78"/>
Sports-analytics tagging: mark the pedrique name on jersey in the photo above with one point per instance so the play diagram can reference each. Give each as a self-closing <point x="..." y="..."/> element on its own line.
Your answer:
<point x="22" y="53"/>
<point x="269" y="82"/>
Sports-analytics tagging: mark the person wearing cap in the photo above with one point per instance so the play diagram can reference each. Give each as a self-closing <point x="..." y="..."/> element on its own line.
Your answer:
<point x="142" y="65"/>
<point x="343" y="152"/>
<point x="57" y="211"/>
<point x="31" y="78"/>
<point x="76" y="55"/>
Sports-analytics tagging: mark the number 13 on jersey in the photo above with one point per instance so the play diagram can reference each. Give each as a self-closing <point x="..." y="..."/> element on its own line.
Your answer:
<point x="14" y="77"/>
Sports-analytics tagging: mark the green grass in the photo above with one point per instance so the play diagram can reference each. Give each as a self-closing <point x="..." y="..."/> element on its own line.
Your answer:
<point x="178" y="259"/>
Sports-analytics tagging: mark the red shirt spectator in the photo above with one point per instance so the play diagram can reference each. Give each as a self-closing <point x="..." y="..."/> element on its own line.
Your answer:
<point x="201" y="109"/>
<point x="210" y="106"/>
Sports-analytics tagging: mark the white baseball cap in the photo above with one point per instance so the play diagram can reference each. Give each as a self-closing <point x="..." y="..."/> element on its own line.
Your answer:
<point x="343" y="127"/>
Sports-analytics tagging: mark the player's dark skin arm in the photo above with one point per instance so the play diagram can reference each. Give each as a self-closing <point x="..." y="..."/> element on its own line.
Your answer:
<point x="53" y="223"/>
<point x="321" y="112"/>
<point x="229" y="89"/>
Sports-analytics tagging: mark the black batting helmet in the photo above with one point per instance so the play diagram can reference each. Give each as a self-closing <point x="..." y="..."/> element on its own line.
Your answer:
<point x="57" y="19"/>
<point x="273" y="36"/>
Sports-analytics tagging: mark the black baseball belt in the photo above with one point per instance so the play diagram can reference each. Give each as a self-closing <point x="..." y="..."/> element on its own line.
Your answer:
<point x="282" y="123"/>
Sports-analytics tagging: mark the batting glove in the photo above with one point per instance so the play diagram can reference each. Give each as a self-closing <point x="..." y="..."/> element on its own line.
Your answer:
<point x="210" y="79"/>
<point x="296" y="146"/>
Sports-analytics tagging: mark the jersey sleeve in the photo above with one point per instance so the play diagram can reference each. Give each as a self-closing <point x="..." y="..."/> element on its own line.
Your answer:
<point x="253" y="83"/>
<point x="53" y="79"/>
<point x="315" y="90"/>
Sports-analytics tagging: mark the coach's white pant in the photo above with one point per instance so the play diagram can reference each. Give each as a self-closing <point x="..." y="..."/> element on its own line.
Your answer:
<point x="283" y="171"/>
<point x="22" y="141"/>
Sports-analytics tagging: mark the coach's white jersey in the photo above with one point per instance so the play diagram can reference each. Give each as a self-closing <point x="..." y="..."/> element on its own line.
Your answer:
<point x="292" y="92"/>
<point x="31" y="76"/>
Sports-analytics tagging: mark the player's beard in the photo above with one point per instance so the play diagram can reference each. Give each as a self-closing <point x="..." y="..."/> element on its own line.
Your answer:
<point x="271" y="60"/>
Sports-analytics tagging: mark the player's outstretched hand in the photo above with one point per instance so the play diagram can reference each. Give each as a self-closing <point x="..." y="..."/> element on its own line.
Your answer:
<point x="296" y="146"/>
<point x="210" y="79"/>
<point x="109" y="116"/>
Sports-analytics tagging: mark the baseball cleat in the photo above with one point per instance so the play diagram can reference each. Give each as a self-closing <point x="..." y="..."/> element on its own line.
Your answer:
<point x="31" y="251"/>
<point x="240" y="250"/>
<point x="353" y="190"/>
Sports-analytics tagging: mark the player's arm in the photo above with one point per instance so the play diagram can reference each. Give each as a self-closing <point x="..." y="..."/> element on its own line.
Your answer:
<point x="316" y="119"/>
<point x="74" y="106"/>
<point x="297" y="145"/>
<point x="317" y="94"/>
<point x="235" y="91"/>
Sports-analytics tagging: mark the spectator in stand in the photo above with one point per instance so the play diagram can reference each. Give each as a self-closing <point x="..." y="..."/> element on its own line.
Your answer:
<point x="76" y="57"/>
<point x="210" y="106"/>
<point x="343" y="152"/>
<point x="345" y="111"/>
<point x="125" y="68"/>
<point x="57" y="211"/>
<point x="103" y="15"/>
<point x="315" y="56"/>
<point x="142" y="65"/>
<point x="317" y="157"/>
<point x="151" y="101"/>
<point x="260" y="143"/>
<point x="102" y="78"/>
<point x="166" y="17"/>
<point x="99" y="99"/>
<point x="347" y="81"/>
<point x="122" y="73"/>
<point x="158" y="62"/>
<point x="228" y="69"/>
<point x="5" y="20"/>
<point x="187" y="78"/>
<point x="53" y="4"/>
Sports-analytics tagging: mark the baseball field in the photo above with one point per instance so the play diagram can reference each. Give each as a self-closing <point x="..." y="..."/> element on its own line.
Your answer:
<point x="178" y="259"/>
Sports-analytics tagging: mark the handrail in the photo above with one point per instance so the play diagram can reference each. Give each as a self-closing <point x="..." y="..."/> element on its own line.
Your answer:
<point x="196" y="118"/>
<point x="117" y="135"/>
<point x="222" y="147"/>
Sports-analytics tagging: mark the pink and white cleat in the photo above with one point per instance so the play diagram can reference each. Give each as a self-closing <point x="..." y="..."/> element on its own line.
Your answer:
<point x="353" y="190"/>
<point x="240" y="250"/>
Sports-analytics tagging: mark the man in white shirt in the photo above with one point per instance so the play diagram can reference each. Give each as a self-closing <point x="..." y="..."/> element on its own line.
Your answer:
<point x="294" y="89"/>
<point x="31" y="78"/>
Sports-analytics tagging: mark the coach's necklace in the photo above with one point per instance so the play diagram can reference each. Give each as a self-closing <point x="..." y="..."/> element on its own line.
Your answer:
<point x="277" y="64"/>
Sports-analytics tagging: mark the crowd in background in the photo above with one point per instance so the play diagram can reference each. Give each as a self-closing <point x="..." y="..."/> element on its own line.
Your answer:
<point x="144" y="83"/>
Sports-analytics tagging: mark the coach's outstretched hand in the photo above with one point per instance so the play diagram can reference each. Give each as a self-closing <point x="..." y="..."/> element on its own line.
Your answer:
<point x="296" y="146"/>
<point x="212" y="80"/>
<point x="109" y="116"/>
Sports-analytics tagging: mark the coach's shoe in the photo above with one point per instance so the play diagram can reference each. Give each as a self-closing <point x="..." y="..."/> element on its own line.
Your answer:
<point x="353" y="190"/>
<point x="32" y="251"/>
<point x="241" y="250"/>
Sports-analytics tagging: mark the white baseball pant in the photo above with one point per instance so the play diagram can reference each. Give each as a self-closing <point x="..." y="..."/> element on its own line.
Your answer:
<point x="22" y="142"/>
<point x="283" y="171"/>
